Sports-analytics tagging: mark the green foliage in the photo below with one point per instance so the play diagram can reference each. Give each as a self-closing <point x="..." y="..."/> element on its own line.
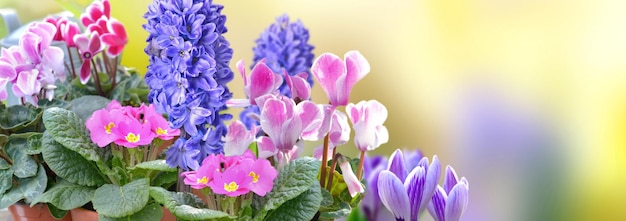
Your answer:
<point x="302" y="207"/>
<point x="68" y="129"/>
<point x="15" y="118"/>
<point x="56" y="212"/>
<point x="66" y="196"/>
<point x="184" y="205"/>
<point x="294" y="179"/>
<point x="150" y="212"/>
<point x="32" y="187"/>
<point x="23" y="165"/>
<point x="70" y="165"/>
<point x="85" y="106"/>
<point x="120" y="201"/>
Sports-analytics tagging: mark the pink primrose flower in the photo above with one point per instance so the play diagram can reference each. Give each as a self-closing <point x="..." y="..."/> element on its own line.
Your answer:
<point x="101" y="124"/>
<point x="263" y="175"/>
<point x="234" y="181"/>
<point x="131" y="133"/>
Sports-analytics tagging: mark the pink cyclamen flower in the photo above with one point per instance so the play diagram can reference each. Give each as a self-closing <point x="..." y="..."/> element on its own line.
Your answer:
<point x="57" y="22"/>
<point x="354" y="184"/>
<point x="88" y="48"/>
<point x="116" y="38"/>
<point x="263" y="175"/>
<point x="337" y="77"/>
<point x="95" y="11"/>
<point x="262" y="81"/>
<point x="68" y="30"/>
<point x="367" y="119"/>
<point x="234" y="181"/>
<point x="131" y="133"/>
<point x="101" y="124"/>
<point x="299" y="86"/>
<point x="3" y="86"/>
<point x="238" y="138"/>
<point x="284" y="121"/>
<point x="7" y="71"/>
<point x="27" y="85"/>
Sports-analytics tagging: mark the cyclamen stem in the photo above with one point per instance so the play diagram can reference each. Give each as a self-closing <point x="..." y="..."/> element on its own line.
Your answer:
<point x="96" y="78"/>
<point x="360" y="169"/>
<point x="329" y="185"/>
<point x="324" y="160"/>
<point x="69" y="53"/>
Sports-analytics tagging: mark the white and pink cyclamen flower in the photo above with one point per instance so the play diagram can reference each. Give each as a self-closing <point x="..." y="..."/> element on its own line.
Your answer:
<point x="367" y="119"/>
<point x="337" y="77"/>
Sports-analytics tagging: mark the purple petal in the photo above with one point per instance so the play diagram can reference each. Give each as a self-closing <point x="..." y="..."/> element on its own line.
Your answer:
<point x="432" y="178"/>
<point x="397" y="165"/>
<point x="457" y="201"/>
<point x="414" y="185"/>
<point x="437" y="205"/>
<point x="450" y="179"/>
<point x="7" y="71"/>
<point x="393" y="195"/>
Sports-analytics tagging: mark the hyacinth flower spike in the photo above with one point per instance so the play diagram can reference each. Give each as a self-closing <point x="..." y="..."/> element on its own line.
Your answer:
<point x="407" y="198"/>
<point x="449" y="201"/>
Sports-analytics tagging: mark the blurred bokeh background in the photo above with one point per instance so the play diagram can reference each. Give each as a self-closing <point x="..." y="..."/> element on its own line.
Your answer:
<point x="526" y="98"/>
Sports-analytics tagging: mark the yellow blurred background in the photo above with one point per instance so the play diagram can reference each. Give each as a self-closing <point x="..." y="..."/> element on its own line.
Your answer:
<point x="526" y="98"/>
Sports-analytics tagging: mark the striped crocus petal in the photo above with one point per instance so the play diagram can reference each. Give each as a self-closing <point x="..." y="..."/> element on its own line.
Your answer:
<point x="437" y="205"/>
<point x="457" y="201"/>
<point x="397" y="165"/>
<point x="414" y="185"/>
<point x="432" y="178"/>
<point x="393" y="195"/>
<point x="450" y="180"/>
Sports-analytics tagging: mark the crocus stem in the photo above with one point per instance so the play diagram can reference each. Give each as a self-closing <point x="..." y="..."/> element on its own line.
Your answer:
<point x="329" y="185"/>
<point x="324" y="160"/>
<point x="360" y="169"/>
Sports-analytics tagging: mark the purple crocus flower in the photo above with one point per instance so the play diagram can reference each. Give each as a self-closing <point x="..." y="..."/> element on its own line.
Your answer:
<point x="406" y="195"/>
<point x="449" y="201"/>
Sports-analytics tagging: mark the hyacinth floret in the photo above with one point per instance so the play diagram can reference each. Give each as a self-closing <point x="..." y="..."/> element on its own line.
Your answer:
<point x="285" y="47"/>
<point x="187" y="74"/>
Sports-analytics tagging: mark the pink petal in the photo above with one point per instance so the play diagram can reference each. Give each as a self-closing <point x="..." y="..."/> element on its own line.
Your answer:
<point x="310" y="115"/>
<point x="86" y="20"/>
<point x="323" y="128"/>
<point x="357" y="67"/>
<point x="114" y="51"/>
<point x="238" y="103"/>
<point x="242" y="70"/>
<point x="94" y="43"/>
<point x="354" y="112"/>
<point x="273" y="115"/>
<point x="7" y="71"/>
<point x="376" y="113"/>
<point x="29" y="43"/>
<point x="237" y="139"/>
<point x="266" y="147"/>
<point x="327" y="68"/>
<point x="106" y="8"/>
<point x="340" y="130"/>
<point x="354" y="184"/>
<point x="262" y="81"/>
<point x="82" y="42"/>
<point x="118" y="29"/>
<point x="68" y="31"/>
<point x="85" y="72"/>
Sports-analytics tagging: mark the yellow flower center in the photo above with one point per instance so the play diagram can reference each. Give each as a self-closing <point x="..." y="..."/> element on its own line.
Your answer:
<point x="231" y="187"/>
<point x="204" y="180"/>
<point x="133" y="138"/>
<point x="160" y="131"/>
<point x="255" y="177"/>
<point x="108" y="127"/>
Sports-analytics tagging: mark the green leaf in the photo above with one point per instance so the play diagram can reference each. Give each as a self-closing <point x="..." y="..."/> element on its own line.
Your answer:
<point x="165" y="179"/>
<point x="4" y="164"/>
<point x="33" y="187"/>
<point x="33" y="144"/>
<point x="3" y="139"/>
<point x="6" y="179"/>
<point x="70" y="131"/>
<point x="303" y="207"/>
<point x="294" y="179"/>
<point x="56" y="212"/>
<point x="158" y="165"/>
<point x="66" y="196"/>
<point x="69" y="165"/>
<point x="327" y="198"/>
<point x="85" y="106"/>
<point x="151" y="212"/>
<point x="23" y="165"/>
<point x="184" y="205"/>
<point x="120" y="201"/>
<point x="17" y="117"/>
<point x="343" y="211"/>
<point x="10" y="198"/>
<point x="356" y="215"/>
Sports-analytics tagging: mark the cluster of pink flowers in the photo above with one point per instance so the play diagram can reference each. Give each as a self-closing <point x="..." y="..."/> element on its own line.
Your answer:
<point x="33" y="66"/>
<point x="128" y="126"/>
<point x="233" y="175"/>
<point x="101" y="30"/>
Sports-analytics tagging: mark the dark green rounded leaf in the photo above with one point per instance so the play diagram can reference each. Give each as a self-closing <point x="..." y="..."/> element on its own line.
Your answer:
<point x="11" y="197"/>
<point x="69" y="165"/>
<point x="295" y="178"/>
<point x="70" y="131"/>
<point x="66" y="196"/>
<point x="120" y="201"/>
<point x="158" y="165"/>
<point x="6" y="179"/>
<point x="85" y="106"/>
<point x="33" y="144"/>
<point x="33" y="187"/>
<point x="303" y="207"/>
<point x="151" y="212"/>
<point x="17" y="117"/>
<point x="4" y="164"/>
<point x="56" y="212"/>
<point x="23" y="164"/>
<point x="184" y="205"/>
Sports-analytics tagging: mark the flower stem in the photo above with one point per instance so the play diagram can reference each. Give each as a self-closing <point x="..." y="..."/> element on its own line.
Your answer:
<point x="329" y="185"/>
<point x="69" y="53"/>
<point x="96" y="78"/>
<point x="324" y="160"/>
<point x="360" y="169"/>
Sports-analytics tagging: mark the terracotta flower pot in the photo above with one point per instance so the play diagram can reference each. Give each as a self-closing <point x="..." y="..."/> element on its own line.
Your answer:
<point x="39" y="212"/>
<point x="88" y="215"/>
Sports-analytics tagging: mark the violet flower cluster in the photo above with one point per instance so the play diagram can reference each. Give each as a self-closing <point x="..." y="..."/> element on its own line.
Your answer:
<point x="187" y="75"/>
<point x="284" y="47"/>
<point x="406" y="185"/>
